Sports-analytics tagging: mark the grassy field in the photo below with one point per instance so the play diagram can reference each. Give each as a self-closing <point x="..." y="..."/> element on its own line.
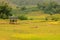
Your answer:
<point x="30" y="30"/>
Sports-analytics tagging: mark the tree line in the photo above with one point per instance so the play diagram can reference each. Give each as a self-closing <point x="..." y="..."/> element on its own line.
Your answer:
<point x="50" y="8"/>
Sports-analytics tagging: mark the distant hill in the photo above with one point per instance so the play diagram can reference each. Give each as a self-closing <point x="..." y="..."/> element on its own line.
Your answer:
<point x="27" y="2"/>
<point x="10" y="3"/>
<point x="30" y="2"/>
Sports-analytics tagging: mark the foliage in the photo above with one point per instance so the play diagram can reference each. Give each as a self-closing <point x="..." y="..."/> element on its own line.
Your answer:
<point x="23" y="8"/>
<point x="55" y="18"/>
<point x="51" y="8"/>
<point x="5" y="11"/>
<point x="22" y="17"/>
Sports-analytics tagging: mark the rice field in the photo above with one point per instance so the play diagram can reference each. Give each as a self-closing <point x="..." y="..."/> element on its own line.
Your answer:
<point x="30" y="30"/>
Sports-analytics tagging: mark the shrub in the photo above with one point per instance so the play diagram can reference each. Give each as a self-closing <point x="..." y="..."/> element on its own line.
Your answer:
<point x="55" y="19"/>
<point x="46" y="19"/>
<point x="23" y="8"/>
<point x="23" y="17"/>
<point x="31" y="19"/>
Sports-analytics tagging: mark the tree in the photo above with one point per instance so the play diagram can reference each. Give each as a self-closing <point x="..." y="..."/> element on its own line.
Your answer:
<point x="50" y="8"/>
<point x="5" y="11"/>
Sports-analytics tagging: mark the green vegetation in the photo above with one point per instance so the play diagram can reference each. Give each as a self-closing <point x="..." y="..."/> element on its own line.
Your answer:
<point x="50" y="8"/>
<point x="22" y="17"/>
<point x="30" y="2"/>
<point x="5" y="10"/>
<point x="43" y="11"/>
<point x="23" y="8"/>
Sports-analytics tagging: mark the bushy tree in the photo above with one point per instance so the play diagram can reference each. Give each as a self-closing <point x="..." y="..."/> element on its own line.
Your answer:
<point x="5" y="10"/>
<point x="51" y="8"/>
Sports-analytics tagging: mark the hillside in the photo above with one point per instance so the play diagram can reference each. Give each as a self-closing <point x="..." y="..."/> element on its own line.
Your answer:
<point x="27" y="2"/>
<point x="30" y="2"/>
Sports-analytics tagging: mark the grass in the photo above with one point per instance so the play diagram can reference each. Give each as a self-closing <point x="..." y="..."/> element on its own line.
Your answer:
<point x="29" y="30"/>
